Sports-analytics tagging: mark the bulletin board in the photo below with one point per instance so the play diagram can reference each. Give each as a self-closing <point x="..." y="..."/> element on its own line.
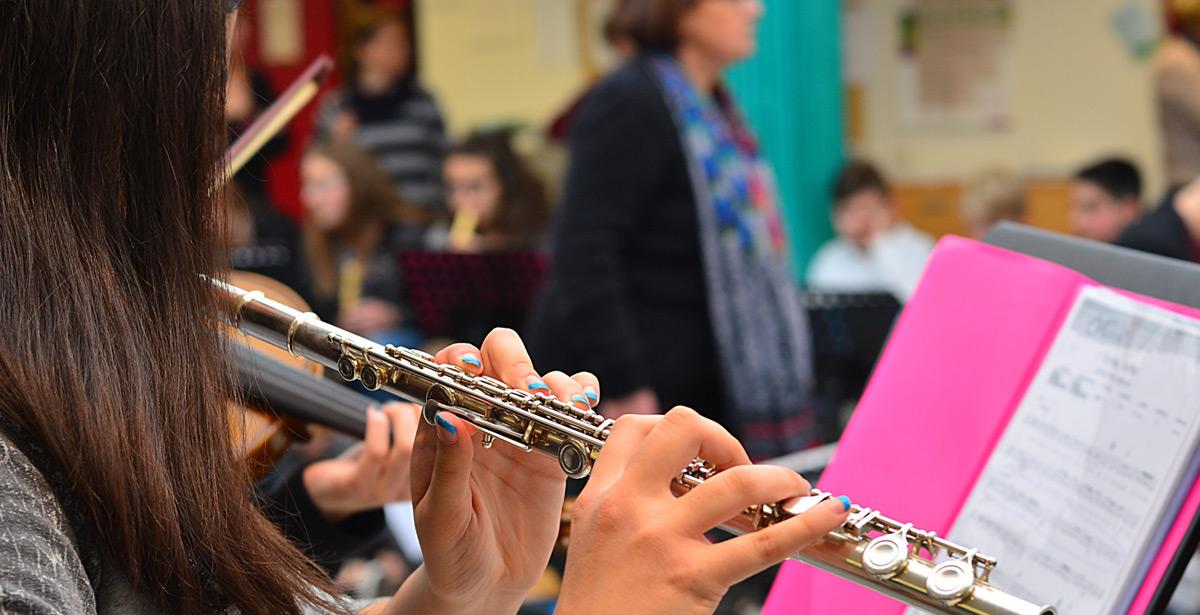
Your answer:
<point x="956" y="65"/>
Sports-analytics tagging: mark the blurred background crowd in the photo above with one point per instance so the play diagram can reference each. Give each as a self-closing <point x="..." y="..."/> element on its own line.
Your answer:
<point x="715" y="203"/>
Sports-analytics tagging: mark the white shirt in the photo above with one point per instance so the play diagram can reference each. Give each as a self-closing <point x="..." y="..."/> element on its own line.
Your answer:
<point x="892" y="263"/>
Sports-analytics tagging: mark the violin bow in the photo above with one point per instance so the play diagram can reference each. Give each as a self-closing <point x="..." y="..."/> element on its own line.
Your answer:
<point x="282" y="111"/>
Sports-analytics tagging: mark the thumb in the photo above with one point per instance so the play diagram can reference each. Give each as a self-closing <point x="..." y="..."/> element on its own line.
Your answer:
<point x="449" y="484"/>
<point x="424" y="455"/>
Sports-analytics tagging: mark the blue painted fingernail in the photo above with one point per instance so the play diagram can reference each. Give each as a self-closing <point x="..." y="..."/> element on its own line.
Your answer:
<point x="471" y="359"/>
<point x="845" y="502"/>
<point x="591" y="395"/>
<point x="444" y="424"/>
<point x="538" y="385"/>
<point x="579" y="399"/>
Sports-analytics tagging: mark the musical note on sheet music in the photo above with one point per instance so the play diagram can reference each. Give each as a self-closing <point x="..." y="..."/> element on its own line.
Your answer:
<point x="1089" y="472"/>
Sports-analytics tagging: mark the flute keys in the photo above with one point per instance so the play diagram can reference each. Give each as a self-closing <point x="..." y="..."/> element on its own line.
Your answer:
<point x="372" y="378"/>
<point x="885" y="556"/>
<point x="806" y="503"/>
<point x="438" y="398"/>
<point x="573" y="459"/>
<point x="347" y="368"/>
<point x="491" y="385"/>
<point x="951" y="582"/>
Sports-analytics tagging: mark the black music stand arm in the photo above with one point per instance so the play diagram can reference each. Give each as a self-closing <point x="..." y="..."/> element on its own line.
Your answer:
<point x="1179" y="563"/>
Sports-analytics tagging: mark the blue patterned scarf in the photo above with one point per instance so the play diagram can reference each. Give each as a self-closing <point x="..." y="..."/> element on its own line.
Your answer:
<point x="761" y="330"/>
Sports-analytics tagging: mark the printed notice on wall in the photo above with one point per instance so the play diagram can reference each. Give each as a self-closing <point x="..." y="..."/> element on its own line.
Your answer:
<point x="1093" y="466"/>
<point x="281" y="32"/>
<point x="955" y="64"/>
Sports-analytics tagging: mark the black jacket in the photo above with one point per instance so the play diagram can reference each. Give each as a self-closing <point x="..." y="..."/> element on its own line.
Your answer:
<point x="1160" y="232"/>
<point x="625" y="297"/>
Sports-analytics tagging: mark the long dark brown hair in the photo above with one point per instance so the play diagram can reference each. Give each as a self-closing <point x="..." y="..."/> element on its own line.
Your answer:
<point x="112" y="371"/>
<point x="373" y="205"/>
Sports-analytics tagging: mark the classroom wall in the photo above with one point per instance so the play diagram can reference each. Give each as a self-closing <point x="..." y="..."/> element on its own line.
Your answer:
<point x="500" y="61"/>
<point x="1077" y="94"/>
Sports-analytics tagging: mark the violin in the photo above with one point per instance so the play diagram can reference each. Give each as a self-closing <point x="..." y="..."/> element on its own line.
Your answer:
<point x="280" y="394"/>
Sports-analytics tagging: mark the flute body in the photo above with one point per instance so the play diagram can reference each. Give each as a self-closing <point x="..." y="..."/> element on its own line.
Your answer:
<point x="911" y="565"/>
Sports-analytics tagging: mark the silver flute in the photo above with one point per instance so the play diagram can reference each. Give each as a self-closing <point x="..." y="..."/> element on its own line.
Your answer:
<point x="913" y="566"/>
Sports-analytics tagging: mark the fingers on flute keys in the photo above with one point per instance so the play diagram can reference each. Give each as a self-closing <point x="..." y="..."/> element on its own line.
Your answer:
<point x="737" y="489"/>
<point x="591" y="388"/>
<point x="645" y="453"/>
<point x="504" y="357"/>
<point x="680" y="437"/>
<point x="739" y="558"/>
<point x="466" y="356"/>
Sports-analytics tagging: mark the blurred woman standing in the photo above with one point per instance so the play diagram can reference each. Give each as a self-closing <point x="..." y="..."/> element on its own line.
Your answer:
<point x="671" y="279"/>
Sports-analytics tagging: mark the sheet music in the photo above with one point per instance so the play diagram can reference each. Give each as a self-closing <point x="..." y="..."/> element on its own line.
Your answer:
<point x="1082" y="485"/>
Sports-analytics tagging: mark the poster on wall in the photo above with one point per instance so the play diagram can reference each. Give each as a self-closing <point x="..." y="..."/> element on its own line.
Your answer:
<point x="280" y="32"/>
<point x="955" y="69"/>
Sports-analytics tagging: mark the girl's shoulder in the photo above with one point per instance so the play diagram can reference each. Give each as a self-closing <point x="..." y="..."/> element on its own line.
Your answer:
<point x="41" y="570"/>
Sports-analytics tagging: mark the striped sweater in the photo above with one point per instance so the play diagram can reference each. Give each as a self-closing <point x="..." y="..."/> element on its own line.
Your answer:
<point x="403" y="129"/>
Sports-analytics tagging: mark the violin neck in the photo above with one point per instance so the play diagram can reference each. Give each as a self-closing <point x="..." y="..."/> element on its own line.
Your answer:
<point x="288" y="391"/>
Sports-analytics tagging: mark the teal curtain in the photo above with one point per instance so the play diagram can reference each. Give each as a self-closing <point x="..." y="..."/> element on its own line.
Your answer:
<point x="792" y="94"/>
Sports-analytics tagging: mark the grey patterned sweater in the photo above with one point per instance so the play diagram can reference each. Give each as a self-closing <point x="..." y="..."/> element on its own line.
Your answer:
<point x="44" y="568"/>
